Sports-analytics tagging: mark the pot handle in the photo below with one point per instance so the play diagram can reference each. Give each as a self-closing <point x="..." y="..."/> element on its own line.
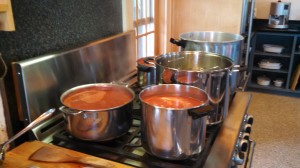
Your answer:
<point x="146" y="68"/>
<point x="200" y="112"/>
<point x="239" y="68"/>
<point x="168" y="76"/>
<point x="181" y="43"/>
<point x="67" y="110"/>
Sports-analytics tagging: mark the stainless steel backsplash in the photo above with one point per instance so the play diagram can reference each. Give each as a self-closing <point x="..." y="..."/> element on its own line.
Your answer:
<point x="40" y="81"/>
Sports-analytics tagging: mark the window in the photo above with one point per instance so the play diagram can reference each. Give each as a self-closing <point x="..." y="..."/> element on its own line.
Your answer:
<point x="143" y="16"/>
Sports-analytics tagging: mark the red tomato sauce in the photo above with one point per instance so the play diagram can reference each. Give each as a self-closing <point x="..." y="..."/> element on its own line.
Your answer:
<point x="173" y="101"/>
<point x="97" y="98"/>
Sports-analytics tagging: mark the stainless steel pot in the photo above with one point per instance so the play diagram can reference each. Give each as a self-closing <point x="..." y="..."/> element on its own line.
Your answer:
<point x="224" y="44"/>
<point x="207" y="71"/>
<point x="99" y="124"/>
<point x="173" y="133"/>
<point x="146" y="72"/>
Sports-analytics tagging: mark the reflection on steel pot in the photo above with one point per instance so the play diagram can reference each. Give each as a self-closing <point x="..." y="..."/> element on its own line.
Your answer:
<point x="173" y="120"/>
<point x="98" y="112"/>
<point x="225" y="44"/>
<point x="207" y="71"/>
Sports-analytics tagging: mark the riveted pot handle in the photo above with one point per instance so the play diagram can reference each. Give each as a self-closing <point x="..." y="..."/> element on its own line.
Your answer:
<point x="181" y="43"/>
<point x="239" y="68"/>
<point x="168" y="75"/>
<point x="200" y="112"/>
<point x="67" y="110"/>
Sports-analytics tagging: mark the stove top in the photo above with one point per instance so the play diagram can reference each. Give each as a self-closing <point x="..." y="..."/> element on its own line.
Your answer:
<point x="223" y="141"/>
<point x="127" y="149"/>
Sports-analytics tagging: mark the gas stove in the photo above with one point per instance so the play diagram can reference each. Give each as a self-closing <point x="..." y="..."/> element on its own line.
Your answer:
<point x="227" y="144"/>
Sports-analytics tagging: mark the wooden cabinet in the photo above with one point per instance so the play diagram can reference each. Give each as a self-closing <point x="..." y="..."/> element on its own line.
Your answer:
<point x="289" y="58"/>
<point x="6" y="16"/>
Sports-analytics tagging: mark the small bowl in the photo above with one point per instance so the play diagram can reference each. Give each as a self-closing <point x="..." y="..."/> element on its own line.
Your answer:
<point x="264" y="81"/>
<point x="278" y="82"/>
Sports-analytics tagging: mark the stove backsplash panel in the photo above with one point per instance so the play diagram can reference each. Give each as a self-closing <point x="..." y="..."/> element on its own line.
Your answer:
<point x="40" y="81"/>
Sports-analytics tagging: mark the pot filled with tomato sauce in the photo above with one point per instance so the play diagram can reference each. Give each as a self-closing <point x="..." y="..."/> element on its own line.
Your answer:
<point x="97" y="112"/>
<point x="173" y="122"/>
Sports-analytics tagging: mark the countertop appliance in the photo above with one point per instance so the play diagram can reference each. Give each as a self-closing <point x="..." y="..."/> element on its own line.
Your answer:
<point x="228" y="144"/>
<point x="279" y="15"/>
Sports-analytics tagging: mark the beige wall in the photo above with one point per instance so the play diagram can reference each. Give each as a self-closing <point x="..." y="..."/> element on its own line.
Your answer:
<point x="262" y="9"/>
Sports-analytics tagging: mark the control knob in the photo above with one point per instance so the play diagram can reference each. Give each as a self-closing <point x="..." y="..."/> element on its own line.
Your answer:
<point x="243" y="145"/>
<point x="249" y="119"/>
<point x="245" y="136"/>
<point x="238" y="158"/>
<point x="247" y="128"/>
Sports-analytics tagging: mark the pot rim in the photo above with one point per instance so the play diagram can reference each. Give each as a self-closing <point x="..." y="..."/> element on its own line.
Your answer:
<point x="206" y="102"/>
<point x="207" y="54"/>
<point x="96" y="84"/>
<point x="235" y="37"/>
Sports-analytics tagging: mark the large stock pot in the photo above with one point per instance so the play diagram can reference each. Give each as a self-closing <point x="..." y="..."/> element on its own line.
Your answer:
<point x="97" y="112"/>
<point x="222" y="43"/>
<point x="173" y="122"/>
<point x="207" y="71"/>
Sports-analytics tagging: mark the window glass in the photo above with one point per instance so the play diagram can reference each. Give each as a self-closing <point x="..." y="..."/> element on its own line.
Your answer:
<point x="144" y="24"/>
<point x="142" y="48"/>
<point x="150" y="44"/>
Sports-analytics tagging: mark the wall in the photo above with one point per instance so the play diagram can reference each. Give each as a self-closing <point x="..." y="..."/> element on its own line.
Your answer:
<point x="44" y="27"/>
<point x="263" y="9"/>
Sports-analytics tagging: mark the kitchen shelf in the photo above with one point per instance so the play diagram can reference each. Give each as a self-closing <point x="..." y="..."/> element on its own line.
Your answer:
<point x="289" y="58"/>
<point x="270" y="87"/>
<point x="270" y="70"/>
<point x="262" y="53"/>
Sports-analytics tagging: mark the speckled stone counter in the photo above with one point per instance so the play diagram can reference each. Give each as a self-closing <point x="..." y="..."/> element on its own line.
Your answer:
<point x="48" y="26"/>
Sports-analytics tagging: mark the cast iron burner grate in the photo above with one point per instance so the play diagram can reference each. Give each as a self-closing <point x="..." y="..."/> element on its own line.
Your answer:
<point x="127" y="149"/>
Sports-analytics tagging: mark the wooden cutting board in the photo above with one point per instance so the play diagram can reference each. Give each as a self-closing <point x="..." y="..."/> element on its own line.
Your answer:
<point x="19" y="157"/>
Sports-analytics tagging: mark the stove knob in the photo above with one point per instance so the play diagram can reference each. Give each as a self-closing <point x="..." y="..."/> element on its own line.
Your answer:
<point x="238" y="158"/>
<point x="245" y="136"/>
<point x="247" y="128"/>
<point x="249" y="119"/>
<point x="243" y="145"/>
